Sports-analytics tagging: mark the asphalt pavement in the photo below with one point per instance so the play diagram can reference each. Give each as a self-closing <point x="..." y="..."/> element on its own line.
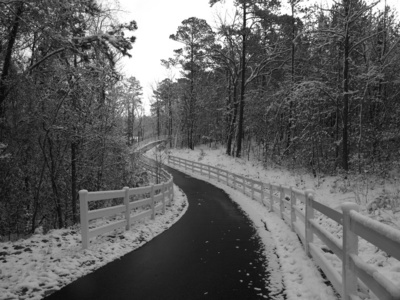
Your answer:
<point x="212" y="252"/>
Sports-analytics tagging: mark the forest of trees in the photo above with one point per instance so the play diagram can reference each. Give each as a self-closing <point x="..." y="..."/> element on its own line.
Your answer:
<point x="67" y="114"/>
<point x="315" y="88"/>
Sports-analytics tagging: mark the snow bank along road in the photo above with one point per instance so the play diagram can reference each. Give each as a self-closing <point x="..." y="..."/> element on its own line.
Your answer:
<point x="212" y="252"/>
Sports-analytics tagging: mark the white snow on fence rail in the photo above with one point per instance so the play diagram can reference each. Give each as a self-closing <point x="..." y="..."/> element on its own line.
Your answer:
<point x="298" y="209"/>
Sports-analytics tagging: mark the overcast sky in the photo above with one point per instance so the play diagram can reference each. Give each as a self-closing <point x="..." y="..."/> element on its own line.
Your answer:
<point x="157" y="20"/>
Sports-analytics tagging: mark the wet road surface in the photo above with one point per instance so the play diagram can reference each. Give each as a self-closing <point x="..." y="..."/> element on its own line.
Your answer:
<point x="212" y="252"/>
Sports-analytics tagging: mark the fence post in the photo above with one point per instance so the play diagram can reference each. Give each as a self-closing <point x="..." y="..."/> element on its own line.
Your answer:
<point x="350" y="246"/>
<point x="127" y="211"/>
<point x="153" y="206"/>
<point x="227" y="178"/>
<point x="172" y="192"/>
<point x="281" y="205"/>
<point x="271" y="197"/>
<point x="193" y="166"/>
<point x="244" y="185"/>
<point x="309" y="216"/>
<point x="293" y="203"/>
<point x="262" y="192"/>
<point x="167" y="195"/>
<point x="217" y="174"/>
<point x="234" y="180"/>
<point x="252" y="190"/>
<point x="170" y="189"/>
<point x="84" y="219"/>
<point x="201" y="169"/>
<point x="209" y="173"/>
<point x="163" y="198"/>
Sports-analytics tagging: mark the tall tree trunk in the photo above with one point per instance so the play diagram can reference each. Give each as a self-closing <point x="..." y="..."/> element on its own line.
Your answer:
<point x="188" y="134"/>
<point x="192" y="98"/>
<point x="293" y="51"/>
<point x="228" y="109"/>
<point x="170" y="120"/>
<point x="158" y="118"/>
<point x="74" y="146"/>
<point x="191" y="135"/>
<point x="74" y="197"/>
<point x="7" y="58"/>
<point x="233" y="120"/>
<point x="337" y="119"/>
<point x="229" y="114"/>
<point x="51" y="165"/>
<point x="242" y="86"/>
<point x="128" y="124"/>
<point x="346" y="49"/>
<point x="36" y="199"/>
<point x="133" y="120"/>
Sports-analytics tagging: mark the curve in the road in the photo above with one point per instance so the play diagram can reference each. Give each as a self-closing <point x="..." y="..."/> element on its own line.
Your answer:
<point x="212" y="252"/>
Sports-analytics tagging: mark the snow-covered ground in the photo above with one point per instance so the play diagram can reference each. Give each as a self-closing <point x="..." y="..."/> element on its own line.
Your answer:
<point x="37" y="266"/>
<point x="300" y="275"/>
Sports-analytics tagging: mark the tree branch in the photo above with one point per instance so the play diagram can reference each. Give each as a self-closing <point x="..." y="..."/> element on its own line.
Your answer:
<point x="45" y="58"/>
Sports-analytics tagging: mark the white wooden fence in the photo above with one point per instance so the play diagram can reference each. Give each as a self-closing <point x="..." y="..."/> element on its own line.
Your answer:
<point x="298" y="209"/>
<point x="141" y="144"/>
<point x="150" y="199"/>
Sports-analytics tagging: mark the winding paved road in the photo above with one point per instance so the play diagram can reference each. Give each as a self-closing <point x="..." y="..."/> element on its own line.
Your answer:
<point x="212" y="252"/>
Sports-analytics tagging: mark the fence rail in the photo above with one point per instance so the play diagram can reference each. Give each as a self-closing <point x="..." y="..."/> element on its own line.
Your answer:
<point x="149" y="199"/>
<point x="145" y="142"/>
<point x="298" y="209"/>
